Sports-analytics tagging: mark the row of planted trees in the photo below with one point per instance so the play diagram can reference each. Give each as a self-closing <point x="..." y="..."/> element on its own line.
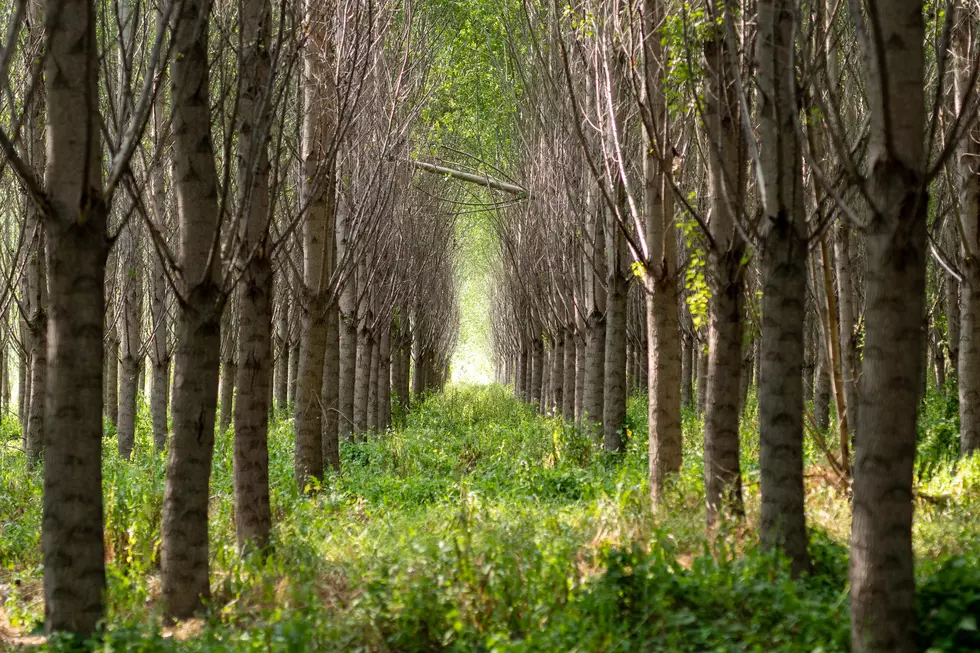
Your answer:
<point x="771" y="191"/>
<point x="212" y="197"/>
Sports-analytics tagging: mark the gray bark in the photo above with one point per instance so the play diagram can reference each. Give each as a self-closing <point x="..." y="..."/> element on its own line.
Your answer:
<point x="185" y="564"/>
<point x="253" y="515"/>
<point x="784" y="276"/>
<point x="881" y="561"/>
<point x="71" y="528"/>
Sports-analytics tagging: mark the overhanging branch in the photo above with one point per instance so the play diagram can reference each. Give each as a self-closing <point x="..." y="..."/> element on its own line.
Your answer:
<point x="482" y="180"/>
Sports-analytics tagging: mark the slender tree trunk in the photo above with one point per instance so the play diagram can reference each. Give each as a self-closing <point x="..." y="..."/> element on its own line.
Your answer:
<point x="702" y="381"/>
<point x="384" y="378"/>
<point x="23" y="378"/>
<point x="281" y="391"/>
<point x="882" y="576"/>
<point x="185" y="573"/>
<point x="229" y="366"/>
<point x="397" y="369"/>
<point x="614" y="380"/>
<point x="664" y="362"/>
<point x="331" y="392"/>
<point x="687" y="371"/>
<point x="726" y="165"/>
<point x="362" y="378"/>
<point x="557" y="373"/>
<point x="131" y="318"/>
<point x="821" y="394"/>
<point x="568" y="382"/>
<point x="537" y="369"/>
<point x="159" y="312"/>
<point x="953" y="321"/>
<point x="372" y="400"/>
<point x="722" y="469"/>
<point x="850" y="356"/>
<point x="71" y="528"/>
<point x="968" y="367"/>
<point x="35" y="296"/>
<point x="112" y="370"/>
<point x="347" y="304"/>
<point x="295" y="336"/>
<point x="253" y="516"/>
<point x="784" y="255"/>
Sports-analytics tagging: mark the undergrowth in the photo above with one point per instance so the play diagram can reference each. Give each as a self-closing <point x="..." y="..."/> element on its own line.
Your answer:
<point x="479" y="526"/>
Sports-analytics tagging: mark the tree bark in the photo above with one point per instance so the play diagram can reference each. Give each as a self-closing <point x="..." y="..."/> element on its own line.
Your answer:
<point x="568" y="382"/>
<point x="614" y="390"/>
<point x="185" y="573"/>
<point x="663" y="333"/>
<point x="537" y="372"/>
<point x="72" y="520"/>
<point x="229" y="366"/>
<point x="281" y="391"/>
<point x="968" y="367"/>
<point x="35" y="303"/>
<point x="347" y="305"/>
<point x="881" y="563"/>
<point x="784" y="252"/>
<point x="253" y="515"/>
<point x="160" y="289"/>
<point x="375" y="366"/>
<point x="384" y="378"/>
<point x="112" y="368"/>
<point x="726" y="176"/>
<point x="557" y="373"/>
<point x="687" y="371"/>
<point x="131" y="317"/>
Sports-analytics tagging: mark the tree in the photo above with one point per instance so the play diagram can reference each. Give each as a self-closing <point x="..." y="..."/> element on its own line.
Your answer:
<point x="784" y="245"/>
<point x="882" y="580"/>
<point x="186" y="582"/>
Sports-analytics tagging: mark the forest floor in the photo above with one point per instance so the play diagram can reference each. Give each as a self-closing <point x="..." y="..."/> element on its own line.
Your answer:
<point x="478" y="526"/>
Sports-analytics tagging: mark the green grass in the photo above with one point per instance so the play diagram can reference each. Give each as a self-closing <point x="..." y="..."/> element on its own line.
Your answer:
<point x="479" y="526"/>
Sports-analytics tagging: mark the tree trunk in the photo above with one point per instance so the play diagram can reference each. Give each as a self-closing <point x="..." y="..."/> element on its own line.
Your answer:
<point x="687" y="371"/>
<point x="537" y="369"/>
<point x="664" y="362"/>
<point x="253" y="515"/>
<point x="362" y="378"/>
<point x="557" y="373"/>
<point x="347" y="305"/>
<point x="568" y="380"/>
<point x="881" y="564"/>
<point x="702" y="381"/>
<point x="850" y="356"/>
<point x="35" y="296"/>
<point x="372" y="401"/>
<point x="229" y="366"/>
<point x="821" y="394"/>
<point x="160" y="289"/>
<point x="784" y="252"/>
<point x="131" y="317"/>
<point x="614" y="391"/>
<point x="968" y="367"/>
<point x="726" y="176"/>
<point x="281" y="391"/>
<point x="722" y="468"/>
<point x="319" y="236"/>
<point x="186" y="586"/>
<point x="112" y="371"/>
<point x="71" y="528"/>
<point x="384" y="378"/>
<point x="295" y="336"/>
<point x="330" y="395"/>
